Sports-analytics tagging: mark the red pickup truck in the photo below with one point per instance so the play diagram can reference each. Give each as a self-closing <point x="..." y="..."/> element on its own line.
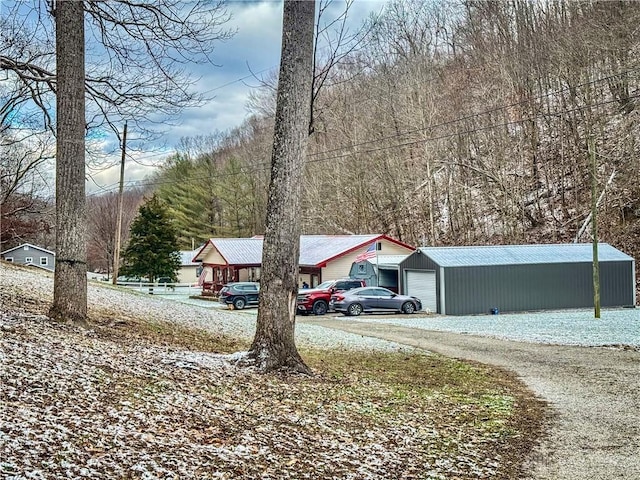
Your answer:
<point x="316" y="300"/>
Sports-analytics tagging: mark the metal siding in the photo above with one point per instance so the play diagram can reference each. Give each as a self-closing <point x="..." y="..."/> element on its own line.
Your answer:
<point x="617" y="284"/>
<point x="441" y="291"/>
<point x="422" y="284"/>
<point x="633" y="276"/>
<point x="419" y="261"/>
<point x="550" y="284"/>
<point x="415" y="261"/>
<point x="514" y="288"/>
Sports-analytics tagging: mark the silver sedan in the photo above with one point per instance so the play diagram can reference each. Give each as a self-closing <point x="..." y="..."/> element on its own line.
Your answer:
<point x="374" y="299"/>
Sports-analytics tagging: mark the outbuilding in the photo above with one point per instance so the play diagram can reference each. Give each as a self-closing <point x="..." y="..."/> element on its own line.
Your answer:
<point x="516" y="278"/>
<point x="381" y="271"/>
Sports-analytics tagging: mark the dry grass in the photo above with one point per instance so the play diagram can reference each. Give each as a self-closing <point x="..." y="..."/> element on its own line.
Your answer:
<point x="140" y="398"/>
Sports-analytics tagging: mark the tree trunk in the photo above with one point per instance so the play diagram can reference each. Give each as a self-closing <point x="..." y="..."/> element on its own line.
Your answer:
<point x="70" y="284"/>
<point x="274" y="344"/>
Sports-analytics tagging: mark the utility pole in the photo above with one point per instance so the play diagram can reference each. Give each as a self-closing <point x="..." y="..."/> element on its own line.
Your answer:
<point x="116" y="248"/>
<point x="594" y="228"/>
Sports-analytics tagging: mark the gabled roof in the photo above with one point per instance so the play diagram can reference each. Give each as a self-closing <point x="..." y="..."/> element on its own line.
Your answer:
<point x="388" y="261"/>
<point x="521" y="254"/>
<point x="315" y="250"/>
<point x="186" y="258"/>
<point x="30" y="245"/>
<point x="235" y="251"/>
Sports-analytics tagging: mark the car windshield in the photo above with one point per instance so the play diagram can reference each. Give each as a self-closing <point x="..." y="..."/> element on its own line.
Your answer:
<point x="326" y="284"/>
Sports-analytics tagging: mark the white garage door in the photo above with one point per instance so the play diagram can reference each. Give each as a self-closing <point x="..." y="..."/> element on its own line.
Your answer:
<point x="423" y="285"/>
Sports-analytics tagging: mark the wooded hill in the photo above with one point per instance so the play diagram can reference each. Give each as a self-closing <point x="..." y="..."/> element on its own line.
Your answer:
<point x="450" y="123"/>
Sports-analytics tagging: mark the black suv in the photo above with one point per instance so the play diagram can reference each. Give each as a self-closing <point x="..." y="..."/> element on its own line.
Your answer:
<point x="240" y="294"/>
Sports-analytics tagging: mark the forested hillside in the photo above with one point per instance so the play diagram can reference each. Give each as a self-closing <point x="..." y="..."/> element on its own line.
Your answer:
<point x="455" y="123"/>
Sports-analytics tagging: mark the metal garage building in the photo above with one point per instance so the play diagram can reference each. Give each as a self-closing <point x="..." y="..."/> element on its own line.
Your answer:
<point x="516" y="278"/>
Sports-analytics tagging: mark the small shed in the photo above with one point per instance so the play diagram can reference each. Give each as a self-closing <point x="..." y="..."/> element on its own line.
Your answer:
<point x="32" y="255"/>
<point x="516" y="278"/>
<point x="381" y="271"/>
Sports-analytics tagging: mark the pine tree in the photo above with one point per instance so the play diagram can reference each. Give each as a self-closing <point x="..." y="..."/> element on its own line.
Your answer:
<point x="153" y="244"/>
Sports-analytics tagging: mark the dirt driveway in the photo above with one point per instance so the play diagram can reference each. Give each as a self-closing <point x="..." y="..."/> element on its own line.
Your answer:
<point x="595" y="394"/>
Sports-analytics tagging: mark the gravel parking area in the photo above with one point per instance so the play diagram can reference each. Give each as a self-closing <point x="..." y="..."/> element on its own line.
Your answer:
<point x="569" y="327"/>
<point x="594" y="392"/>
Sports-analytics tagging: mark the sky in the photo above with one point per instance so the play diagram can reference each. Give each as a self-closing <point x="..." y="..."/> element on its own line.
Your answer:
<point x="253" y="51"/>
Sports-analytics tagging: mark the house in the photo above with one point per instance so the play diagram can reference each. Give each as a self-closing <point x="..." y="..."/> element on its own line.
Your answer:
<point x="28" y="254"/>
<point x="189" y="270"/>
<point x="322" y="257"/>
<point x="516" y="278"/>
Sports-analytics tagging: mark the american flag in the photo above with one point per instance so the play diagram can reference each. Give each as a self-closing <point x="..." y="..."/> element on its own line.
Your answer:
<point x="368" y="254"/>
<point x="202" y="277"/>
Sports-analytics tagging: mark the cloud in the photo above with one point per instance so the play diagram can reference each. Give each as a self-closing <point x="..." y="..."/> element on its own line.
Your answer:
<point x="254" y="50"/>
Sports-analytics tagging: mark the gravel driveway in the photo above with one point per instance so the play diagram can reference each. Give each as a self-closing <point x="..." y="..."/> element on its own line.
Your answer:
<point x="594" y="393"/>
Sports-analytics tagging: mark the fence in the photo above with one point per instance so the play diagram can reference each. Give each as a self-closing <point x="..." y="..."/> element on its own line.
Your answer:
<point x="163" y="288"/>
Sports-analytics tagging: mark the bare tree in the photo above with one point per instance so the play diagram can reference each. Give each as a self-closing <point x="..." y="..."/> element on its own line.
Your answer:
<point x="136" y="68"/>
<point x="70" y="283"/>
<point x="24" y="185"/>
<point x="102" y="218"/>
<point x="140" y="51"/>
<point x="274" y="344"/>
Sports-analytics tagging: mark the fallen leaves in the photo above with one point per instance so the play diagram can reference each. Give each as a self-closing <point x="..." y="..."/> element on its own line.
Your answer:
<point x="84" y="404"/>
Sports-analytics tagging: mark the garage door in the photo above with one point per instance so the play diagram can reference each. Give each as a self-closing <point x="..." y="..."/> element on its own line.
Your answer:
<point x="423" y="285"/>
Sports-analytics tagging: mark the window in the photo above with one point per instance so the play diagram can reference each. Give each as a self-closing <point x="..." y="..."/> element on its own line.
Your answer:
<point x="28" y="259"/>
<point x="348" y="285"/>
<point x="9" y="259"/>
<point x="26" y="247"/>
<point x="380" y="292"/>
<point x="44" y="261"/>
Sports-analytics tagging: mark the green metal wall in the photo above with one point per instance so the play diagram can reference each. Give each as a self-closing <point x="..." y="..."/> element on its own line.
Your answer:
<point x="517" y="288"/>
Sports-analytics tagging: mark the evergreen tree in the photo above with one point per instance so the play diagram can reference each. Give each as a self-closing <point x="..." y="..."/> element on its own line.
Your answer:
<point x="153" y="245"/>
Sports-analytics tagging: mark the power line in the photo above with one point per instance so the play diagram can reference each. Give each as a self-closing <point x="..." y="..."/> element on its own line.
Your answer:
<point x="264" y="165"/>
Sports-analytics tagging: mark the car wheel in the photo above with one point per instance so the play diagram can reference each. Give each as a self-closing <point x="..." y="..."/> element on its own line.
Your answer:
<point x="408" y="308"/>
<point x="320" y="307"/>
<point x="239" y="303"/>
<point x="354" y="309"/>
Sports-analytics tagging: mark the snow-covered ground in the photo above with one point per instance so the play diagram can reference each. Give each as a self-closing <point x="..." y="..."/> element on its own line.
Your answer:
<point x="567" y="327"/>
<point x="77" y="404"/>
<point x="572" y="327"/>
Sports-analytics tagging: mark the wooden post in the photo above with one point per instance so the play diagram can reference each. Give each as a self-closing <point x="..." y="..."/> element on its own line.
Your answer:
<point x="594" y="228"/>
<point x="116" y="248"/>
